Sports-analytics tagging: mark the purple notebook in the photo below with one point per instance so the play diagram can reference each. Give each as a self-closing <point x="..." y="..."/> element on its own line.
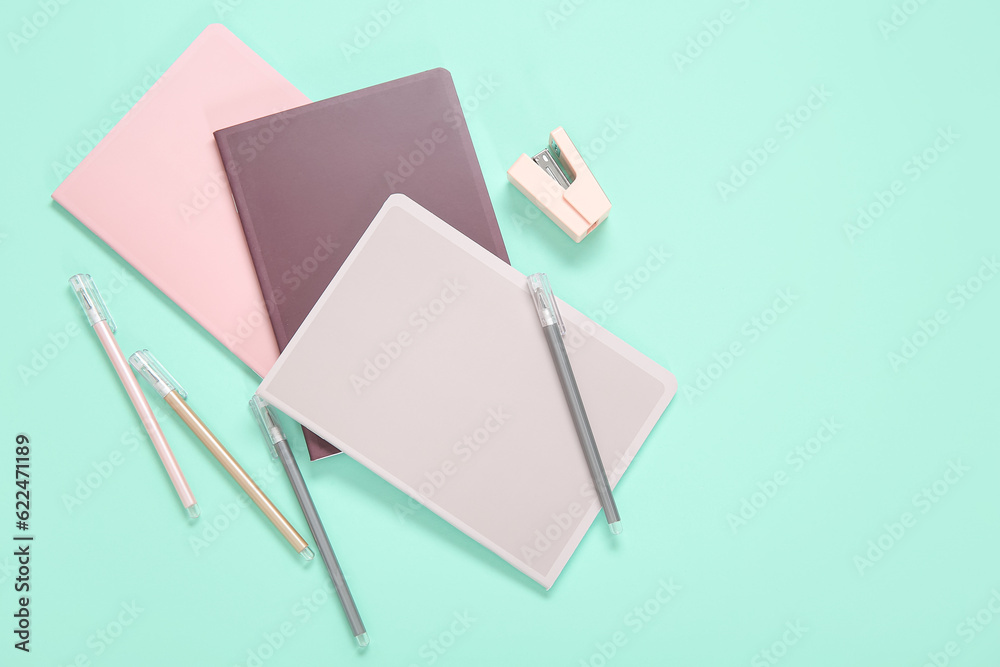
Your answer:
<point x="308" y="181"/>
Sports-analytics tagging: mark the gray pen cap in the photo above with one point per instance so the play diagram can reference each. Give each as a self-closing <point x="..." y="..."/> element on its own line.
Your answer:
<point x="268" y="423"/>
<point x="545" y="301"/>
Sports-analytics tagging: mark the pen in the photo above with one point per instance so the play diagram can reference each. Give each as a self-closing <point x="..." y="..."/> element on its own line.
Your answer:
<point x="104" y="326"/>
<point x="552" y="325"/>
<point x="167" y="387"/>
<point x="278" y="444"/>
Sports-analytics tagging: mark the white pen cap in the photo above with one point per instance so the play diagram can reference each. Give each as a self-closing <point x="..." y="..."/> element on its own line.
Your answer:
<point x="153" y="372"/>
<point x="545" y="301"/>
<point x="268" y="423"/>
<point x="90" y="300"/>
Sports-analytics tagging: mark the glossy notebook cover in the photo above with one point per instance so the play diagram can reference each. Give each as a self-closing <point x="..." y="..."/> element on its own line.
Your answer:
<point x="425" y="361"/>
<point x="155" y="191"/>
<point x="307" y="183"/>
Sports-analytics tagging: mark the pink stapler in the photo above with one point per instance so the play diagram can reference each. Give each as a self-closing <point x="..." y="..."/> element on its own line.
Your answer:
<point x="558" y="181"/>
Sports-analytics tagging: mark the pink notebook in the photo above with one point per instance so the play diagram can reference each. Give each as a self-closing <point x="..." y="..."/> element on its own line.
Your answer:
<point x="424" y="360"/>
<point x="154" y="189"/>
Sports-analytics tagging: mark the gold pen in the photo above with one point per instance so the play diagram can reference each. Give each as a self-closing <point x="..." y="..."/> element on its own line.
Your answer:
<point x="167" y="387"/>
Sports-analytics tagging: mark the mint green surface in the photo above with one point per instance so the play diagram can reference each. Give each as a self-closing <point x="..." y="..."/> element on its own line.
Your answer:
<point x="838" y="378"/>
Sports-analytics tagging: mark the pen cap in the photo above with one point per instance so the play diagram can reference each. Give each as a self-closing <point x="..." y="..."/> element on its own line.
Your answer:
<point x="268" y="423"/>
<point x="90" y="300"/>
<point x="153" y="372"/>
<point x="545" y="301"/>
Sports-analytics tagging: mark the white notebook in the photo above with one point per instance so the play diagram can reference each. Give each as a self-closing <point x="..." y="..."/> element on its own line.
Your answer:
<point x="425" y="361"/>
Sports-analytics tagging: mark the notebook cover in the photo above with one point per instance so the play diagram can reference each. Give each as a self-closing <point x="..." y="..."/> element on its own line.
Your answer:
<point x="425" y="361"/>
<point x="317" y="175"/>
<point x="155" y="191"/>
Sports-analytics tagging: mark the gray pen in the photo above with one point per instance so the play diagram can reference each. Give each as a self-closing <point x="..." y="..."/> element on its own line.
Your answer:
<point x="279" y="449"/>
<point x="552" y="325"/>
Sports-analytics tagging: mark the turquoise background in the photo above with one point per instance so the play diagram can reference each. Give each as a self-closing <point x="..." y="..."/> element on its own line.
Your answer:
<point x="673" y="130"/>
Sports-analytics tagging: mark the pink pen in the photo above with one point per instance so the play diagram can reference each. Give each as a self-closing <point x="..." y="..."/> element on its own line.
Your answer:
<point x="97" y="312"/>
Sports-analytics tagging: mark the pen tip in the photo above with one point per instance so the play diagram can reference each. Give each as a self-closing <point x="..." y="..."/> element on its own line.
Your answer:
<point x="194" y="511"/>
<point x="307" y="553"/>
<point x="362" y="639"/>
<point x="616" y="528"/>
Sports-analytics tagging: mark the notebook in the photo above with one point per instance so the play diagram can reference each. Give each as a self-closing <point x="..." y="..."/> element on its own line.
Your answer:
<point x="306" y="197"/>
<point x="425" y="361"/>
<point x="154" y="189"/>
